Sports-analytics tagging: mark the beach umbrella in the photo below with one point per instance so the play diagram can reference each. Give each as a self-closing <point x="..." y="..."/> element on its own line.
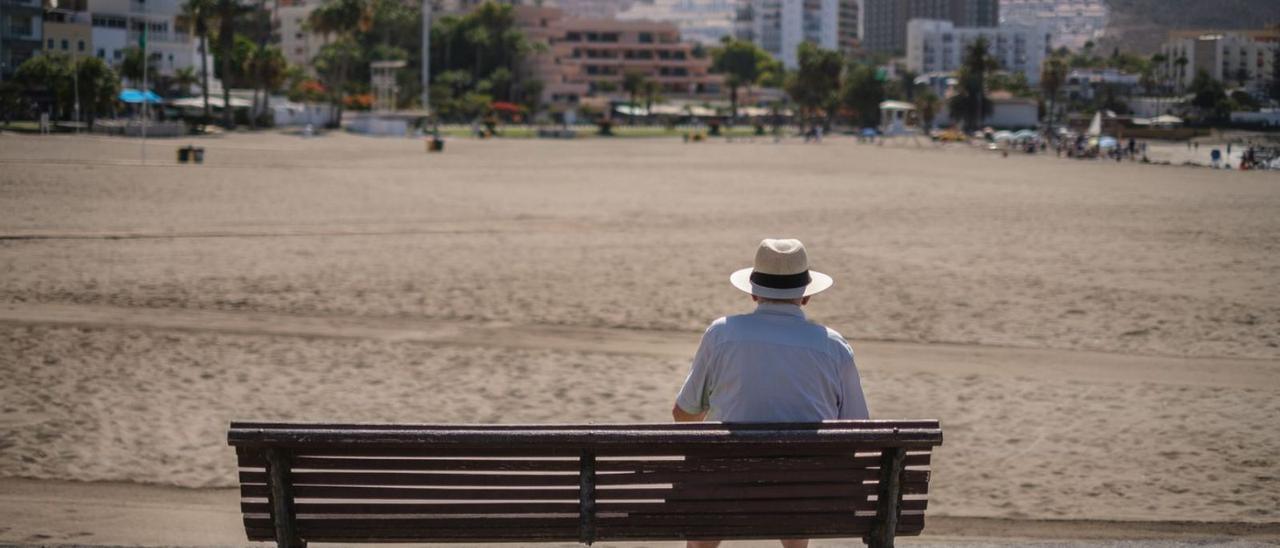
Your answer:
<point x="1025" y="135"/>
<point x="869" y="132"/>
<point x="1003" y="136"/>
<point x="1107" y="142"/>
<point x="130" y="95"/>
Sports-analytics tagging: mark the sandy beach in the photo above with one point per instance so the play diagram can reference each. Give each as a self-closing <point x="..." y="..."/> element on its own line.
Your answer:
<point x="1101" y="342"/>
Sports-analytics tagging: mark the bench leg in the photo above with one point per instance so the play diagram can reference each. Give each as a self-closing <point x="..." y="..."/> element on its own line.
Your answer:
<point x="889" y="499"/>
<point x="282" y="500"/>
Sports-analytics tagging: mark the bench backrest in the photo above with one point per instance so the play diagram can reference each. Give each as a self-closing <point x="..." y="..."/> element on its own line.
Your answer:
<point x="449" y="483"/>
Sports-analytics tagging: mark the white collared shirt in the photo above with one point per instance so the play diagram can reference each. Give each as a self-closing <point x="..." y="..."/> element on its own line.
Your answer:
<point x="773" y="365"/>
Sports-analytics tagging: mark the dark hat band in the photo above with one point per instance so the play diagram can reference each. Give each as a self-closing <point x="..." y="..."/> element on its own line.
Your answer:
<point x="781" y="281"/>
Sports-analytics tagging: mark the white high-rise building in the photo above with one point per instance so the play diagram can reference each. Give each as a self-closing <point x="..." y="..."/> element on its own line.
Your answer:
<point x="939" y="46"/>
<point x="779" y="26"/>
<point x="1072" y="22"/>
<point x="298" y="44"/>
<point x="1238" y="58"/>
<point x="703" y="21"/>
<point x="119" y="24"/>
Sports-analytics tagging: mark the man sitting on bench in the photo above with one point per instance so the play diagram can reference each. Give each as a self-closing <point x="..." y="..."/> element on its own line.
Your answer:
<point x="772" y="365"/>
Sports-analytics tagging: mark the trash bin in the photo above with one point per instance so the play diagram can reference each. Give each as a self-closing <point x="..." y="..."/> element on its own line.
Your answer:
<point x="184" y="154"/>
<point x="435" y="144"/>
<point x="197" y="154"/>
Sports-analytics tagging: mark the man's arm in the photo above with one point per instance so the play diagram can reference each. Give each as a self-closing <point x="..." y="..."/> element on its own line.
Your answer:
<point x="681" y="416"/>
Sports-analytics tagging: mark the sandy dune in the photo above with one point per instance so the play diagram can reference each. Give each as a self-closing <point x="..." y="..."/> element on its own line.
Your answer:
<point x="1101" y="342"/>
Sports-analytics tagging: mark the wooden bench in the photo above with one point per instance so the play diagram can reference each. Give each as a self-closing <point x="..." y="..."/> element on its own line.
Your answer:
<point x="447" y="483"/>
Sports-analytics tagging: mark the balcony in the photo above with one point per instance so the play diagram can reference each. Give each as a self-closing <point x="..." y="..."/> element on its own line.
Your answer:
<point x="160" y="37"/>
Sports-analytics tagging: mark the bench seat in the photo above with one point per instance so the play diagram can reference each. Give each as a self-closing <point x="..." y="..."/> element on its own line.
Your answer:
<point x="350" y="483"/>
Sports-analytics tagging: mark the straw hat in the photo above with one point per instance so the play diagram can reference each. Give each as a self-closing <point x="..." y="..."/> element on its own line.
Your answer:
<point x="781" y="272"/>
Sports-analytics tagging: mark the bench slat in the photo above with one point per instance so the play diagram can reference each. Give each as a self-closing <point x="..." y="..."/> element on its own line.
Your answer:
<point x="703" y="507"/>
<point x="418" y="479"/>
<point x="663" y="426"/>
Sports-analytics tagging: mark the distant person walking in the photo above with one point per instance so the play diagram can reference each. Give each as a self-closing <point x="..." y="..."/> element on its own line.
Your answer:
<point x="772" y="365"/>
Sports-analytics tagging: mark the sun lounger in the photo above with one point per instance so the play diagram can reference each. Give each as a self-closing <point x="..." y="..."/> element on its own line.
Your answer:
<point x="350" y="483"/>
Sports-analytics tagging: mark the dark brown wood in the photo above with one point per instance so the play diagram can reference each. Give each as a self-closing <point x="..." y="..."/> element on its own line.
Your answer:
<point x="663" y="426"/>
<point x="419" y="479"/>
<point x="838" y="475"/>
<point x="281" y="500"/>
<point x="451" y="507"/>
<point x="586" y="483"/>
<point x="587" y="499"/>
<point x="573" y="507"/>
<point x="825" y="438"/>
<point x="889" y="499"/>
<point x="412" y="493"/>
<point x="436" y="465"/>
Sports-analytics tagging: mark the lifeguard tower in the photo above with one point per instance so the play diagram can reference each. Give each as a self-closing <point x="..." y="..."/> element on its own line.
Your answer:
<point x="898" y="120"/>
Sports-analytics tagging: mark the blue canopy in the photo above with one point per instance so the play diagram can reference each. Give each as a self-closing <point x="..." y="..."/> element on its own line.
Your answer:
<point x="130" y="95"/>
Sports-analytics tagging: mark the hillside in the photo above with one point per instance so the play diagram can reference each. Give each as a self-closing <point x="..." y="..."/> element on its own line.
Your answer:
<point x="1140" y="25"/>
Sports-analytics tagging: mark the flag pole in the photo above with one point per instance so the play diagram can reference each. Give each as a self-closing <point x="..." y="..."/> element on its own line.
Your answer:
<point x="146" y="63"/>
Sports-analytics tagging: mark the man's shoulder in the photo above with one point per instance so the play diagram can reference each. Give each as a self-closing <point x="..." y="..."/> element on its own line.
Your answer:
<point x="836" y="341"/>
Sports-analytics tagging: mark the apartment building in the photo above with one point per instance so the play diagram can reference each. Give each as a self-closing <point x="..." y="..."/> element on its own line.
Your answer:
<point x="68" y="30"/>
<point x="21" y="33"/>
<point x="780" y="26"/>
<point x="702" y="21"/>
<point x="1238" y="58"/>
<point x="939" y="46"/>
<point x="1071" y="22"/>
<point x="120" y="24"/>
<point x="590" y="57"/>
<point x="298" y="44"/>
<point x="884" y="22"/>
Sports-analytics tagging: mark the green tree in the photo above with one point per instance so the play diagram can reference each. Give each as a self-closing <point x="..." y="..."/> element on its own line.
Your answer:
<point x="816" y="82"/>
<point x="1274" y="88"/>
<point x="196" y="14"/>
<point x="652" y="93"/>
<point x="862" y="93"/>
<point x="1053" y="74"/>
<point x="970" y="99"/>
<point x="268" y="68"/>
<point x="226" y="12"/>
<point x="343" y="19"/>
<point x="58" y="75"/>
<point x="927" y="105"/>
<point x="131" y="67"/>
<point x="1210" y="97"/>
<point x="184" y="78"/>
<point x="633" y="82"/>
<point x="742" y="63"/>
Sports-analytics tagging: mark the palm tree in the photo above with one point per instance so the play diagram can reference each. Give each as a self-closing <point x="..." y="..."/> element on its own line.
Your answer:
<point x="226" y="12"/>
<point x="927" y="104"/>
<point x="197" y="14"/>
<point x="1052" y="77"/>
<point x="633" y="83"/>
<point x="184" y="78"/>
<point x="971" y="99"/>
<point x="343" y="18"/>
<point x="743" y="63"/>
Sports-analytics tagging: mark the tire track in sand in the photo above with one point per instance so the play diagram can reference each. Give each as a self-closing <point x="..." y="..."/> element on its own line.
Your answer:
<point x="953" y="359"/>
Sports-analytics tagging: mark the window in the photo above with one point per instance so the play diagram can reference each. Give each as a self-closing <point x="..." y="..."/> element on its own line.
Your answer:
<point x="646" y="38"/>
<point x="80" y="45"/>
<point x="573" y="37"/>
<point x="66" y="44"/>
<point x="116" y="55"/>
<point x="102" y="53"/>
<point x="50" y="44"/>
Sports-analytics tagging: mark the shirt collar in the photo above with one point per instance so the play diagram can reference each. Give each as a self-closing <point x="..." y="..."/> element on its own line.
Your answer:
<point x="784" y="309"/>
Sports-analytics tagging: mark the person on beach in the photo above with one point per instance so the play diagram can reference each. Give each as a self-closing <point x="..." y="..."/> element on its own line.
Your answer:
<point x="772" y="365"/>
